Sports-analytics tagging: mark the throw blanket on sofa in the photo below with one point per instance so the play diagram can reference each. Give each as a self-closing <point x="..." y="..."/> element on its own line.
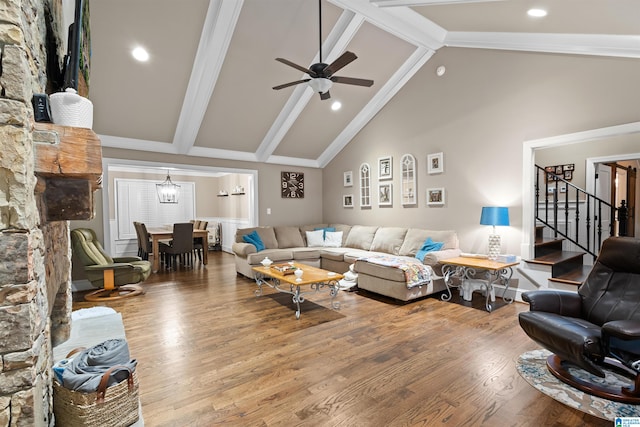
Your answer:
<point x="415" y="272"/>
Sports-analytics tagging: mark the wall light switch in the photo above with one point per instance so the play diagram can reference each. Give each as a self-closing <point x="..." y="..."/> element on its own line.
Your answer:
<point x="268" y="211"/>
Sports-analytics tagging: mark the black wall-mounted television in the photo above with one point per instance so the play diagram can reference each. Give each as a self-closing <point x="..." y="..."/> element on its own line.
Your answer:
<point x="77" y="61"/>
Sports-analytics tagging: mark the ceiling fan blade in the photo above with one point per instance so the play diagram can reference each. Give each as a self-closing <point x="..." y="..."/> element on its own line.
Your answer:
<point x="290" y="84"/>
<point x="325" y="95"/>
<point x="343" y="60"/>
<point x="352" y="81"/>
<point x="296" y="66"/>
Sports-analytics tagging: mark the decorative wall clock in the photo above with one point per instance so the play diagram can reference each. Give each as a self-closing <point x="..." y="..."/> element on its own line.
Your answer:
<point x="292" y="185"/>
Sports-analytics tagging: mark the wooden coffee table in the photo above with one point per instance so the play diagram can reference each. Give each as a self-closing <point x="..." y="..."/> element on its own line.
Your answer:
<point x="316" y="278"/>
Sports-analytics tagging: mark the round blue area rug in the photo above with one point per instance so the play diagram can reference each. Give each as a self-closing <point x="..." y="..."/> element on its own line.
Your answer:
<point x="532" y="366"/>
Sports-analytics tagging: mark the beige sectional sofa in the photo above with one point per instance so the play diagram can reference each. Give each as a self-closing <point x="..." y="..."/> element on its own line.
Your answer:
<point x="289" y="243"/>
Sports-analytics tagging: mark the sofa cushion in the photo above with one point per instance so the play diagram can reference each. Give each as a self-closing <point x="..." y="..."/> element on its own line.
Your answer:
<point x="381" y="271"/>
<point x="415" y="238"/>
<point x="310" y="227"/>
<point x="305" y="253"/>
<point x="352" y="256"/>
<point x="289" y="237"/>
<point x="361" y="237"/>
<point x="315" y="238"/>
<point x="345" y="231"/>
<point x="335" y="254"/>
<point x="428" y="246"/>
<point x="267" y="235"/>
<point x="254" y="239"/>
<point x="325" y="229"/>
<point x="275" y="255"/>
<point x="333" y="239"/>
<point x="388" y="240"/>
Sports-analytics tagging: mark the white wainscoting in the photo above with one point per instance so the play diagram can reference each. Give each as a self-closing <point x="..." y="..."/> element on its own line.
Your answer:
<point x="229" y="227"/>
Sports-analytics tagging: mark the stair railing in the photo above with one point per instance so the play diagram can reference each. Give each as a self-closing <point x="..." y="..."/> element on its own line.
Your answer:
<point x="549" y="207"/>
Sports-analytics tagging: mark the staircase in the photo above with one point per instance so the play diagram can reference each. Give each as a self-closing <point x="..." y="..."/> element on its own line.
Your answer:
<point x="566" y="266"/>
<point x="574" y="219"/>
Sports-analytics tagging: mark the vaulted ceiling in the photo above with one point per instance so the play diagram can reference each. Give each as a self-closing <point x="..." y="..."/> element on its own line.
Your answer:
<point x="207" y="88"/>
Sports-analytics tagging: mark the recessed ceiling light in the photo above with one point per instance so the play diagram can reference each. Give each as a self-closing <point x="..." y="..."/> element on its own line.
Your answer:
<point x="336" y="105"/>
<point x="537" y="13"/>
<point x="140" y="54"/>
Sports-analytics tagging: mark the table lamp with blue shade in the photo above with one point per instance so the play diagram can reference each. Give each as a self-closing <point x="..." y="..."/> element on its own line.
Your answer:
<point x="494" y="215"/>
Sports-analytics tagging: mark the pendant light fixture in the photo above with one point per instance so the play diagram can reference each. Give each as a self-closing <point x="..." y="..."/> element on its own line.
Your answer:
<point x="168" y="192"/>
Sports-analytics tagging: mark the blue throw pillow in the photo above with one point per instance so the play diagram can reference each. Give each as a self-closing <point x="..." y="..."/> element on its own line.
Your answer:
<point x="324" y="235"/>
<point x="428" y="246"/>
<point x="254" y="239"/>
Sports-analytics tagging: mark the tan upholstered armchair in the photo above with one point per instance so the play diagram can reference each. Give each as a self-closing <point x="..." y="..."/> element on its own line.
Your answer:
<point x="116" y="277"/>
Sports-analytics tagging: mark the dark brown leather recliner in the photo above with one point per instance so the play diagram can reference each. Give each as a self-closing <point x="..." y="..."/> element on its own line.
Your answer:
<point x="599" y="326"/>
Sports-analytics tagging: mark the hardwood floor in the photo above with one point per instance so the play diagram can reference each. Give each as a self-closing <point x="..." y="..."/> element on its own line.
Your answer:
<point x="210" y="352"/>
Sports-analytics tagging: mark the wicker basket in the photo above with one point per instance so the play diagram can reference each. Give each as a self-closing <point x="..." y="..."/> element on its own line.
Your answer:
<point x="116" y="406"/>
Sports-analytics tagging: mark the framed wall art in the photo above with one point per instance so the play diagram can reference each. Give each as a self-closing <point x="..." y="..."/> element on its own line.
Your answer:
<point x="435" y="196"/>
<point x="348" y="179"/>
<point x="385" y="194"/>
<point x="553" y="173"/>
<point x="292" y="185"/>
<point x="408" y="180"/>
<point x="385" y="167"/>
<point x="347" y="201"/>
<point x="435" y="163"/>
<point x="365" y="185"/>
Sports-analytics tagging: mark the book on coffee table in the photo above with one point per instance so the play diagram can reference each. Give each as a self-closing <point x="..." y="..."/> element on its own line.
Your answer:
<point x="284" y="268"/>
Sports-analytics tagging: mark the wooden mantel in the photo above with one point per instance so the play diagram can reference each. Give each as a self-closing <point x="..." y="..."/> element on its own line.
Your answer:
<point x="68" y="161"/>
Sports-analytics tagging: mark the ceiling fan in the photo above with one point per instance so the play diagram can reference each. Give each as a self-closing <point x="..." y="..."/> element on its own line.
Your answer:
<point x="321" y="74"/>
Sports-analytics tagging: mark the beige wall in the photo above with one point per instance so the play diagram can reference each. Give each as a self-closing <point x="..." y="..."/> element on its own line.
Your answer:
<point x="283" y="211"/>
<point x="627" y="144"/>
<point x="479" y="114"/>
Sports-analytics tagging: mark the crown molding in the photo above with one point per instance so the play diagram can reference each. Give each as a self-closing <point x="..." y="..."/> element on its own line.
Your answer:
<point x="576" y="44"/>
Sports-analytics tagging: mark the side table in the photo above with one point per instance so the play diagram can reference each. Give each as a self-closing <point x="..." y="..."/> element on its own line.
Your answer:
<point x="485" y="271"/>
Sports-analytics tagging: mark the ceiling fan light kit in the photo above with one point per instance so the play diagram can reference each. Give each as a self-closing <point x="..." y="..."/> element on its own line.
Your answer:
<point x="321" y="74"/>
<point x="320" y="85"/>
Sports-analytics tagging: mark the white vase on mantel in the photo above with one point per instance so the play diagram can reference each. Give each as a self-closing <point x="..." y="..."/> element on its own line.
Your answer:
<point x="70" y="109"/>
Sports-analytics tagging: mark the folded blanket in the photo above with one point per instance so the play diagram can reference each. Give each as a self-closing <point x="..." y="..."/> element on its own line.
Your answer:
<point x="84" y="371"/>
<point x="415" y="272"/>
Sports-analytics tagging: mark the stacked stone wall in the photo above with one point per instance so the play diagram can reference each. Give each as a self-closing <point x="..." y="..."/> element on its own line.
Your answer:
<point x="34" y="271"/>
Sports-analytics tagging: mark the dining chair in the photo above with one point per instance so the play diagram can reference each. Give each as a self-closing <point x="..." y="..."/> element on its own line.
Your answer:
<point x="198" y="242"/>
<point x="180" y="247"/>
<point x="136" y="226"/>
<point x="147" y="244"/>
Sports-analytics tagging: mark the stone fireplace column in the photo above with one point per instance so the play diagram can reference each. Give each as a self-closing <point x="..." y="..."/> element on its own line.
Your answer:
<point x="34" y="279"/>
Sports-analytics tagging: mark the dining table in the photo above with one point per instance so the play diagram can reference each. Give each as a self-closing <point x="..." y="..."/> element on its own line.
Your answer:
<point x="158" y="234"/>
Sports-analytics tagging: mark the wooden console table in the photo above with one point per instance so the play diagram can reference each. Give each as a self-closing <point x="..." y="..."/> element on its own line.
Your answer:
<point x="485" y="271"/>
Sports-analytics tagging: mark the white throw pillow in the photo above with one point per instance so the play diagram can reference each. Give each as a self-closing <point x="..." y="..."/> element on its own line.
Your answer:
<point x="333" y="239"/>
<point x="315" y="238"/>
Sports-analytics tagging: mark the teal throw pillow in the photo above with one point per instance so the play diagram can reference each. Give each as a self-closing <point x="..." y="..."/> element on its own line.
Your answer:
<point x="428" y="246"/>
<point x="254" y="239"/>
<point x="324" y="235"/>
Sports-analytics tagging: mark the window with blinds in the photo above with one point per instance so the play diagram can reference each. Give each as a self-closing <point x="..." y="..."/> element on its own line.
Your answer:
<point x="137" y="200"/>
